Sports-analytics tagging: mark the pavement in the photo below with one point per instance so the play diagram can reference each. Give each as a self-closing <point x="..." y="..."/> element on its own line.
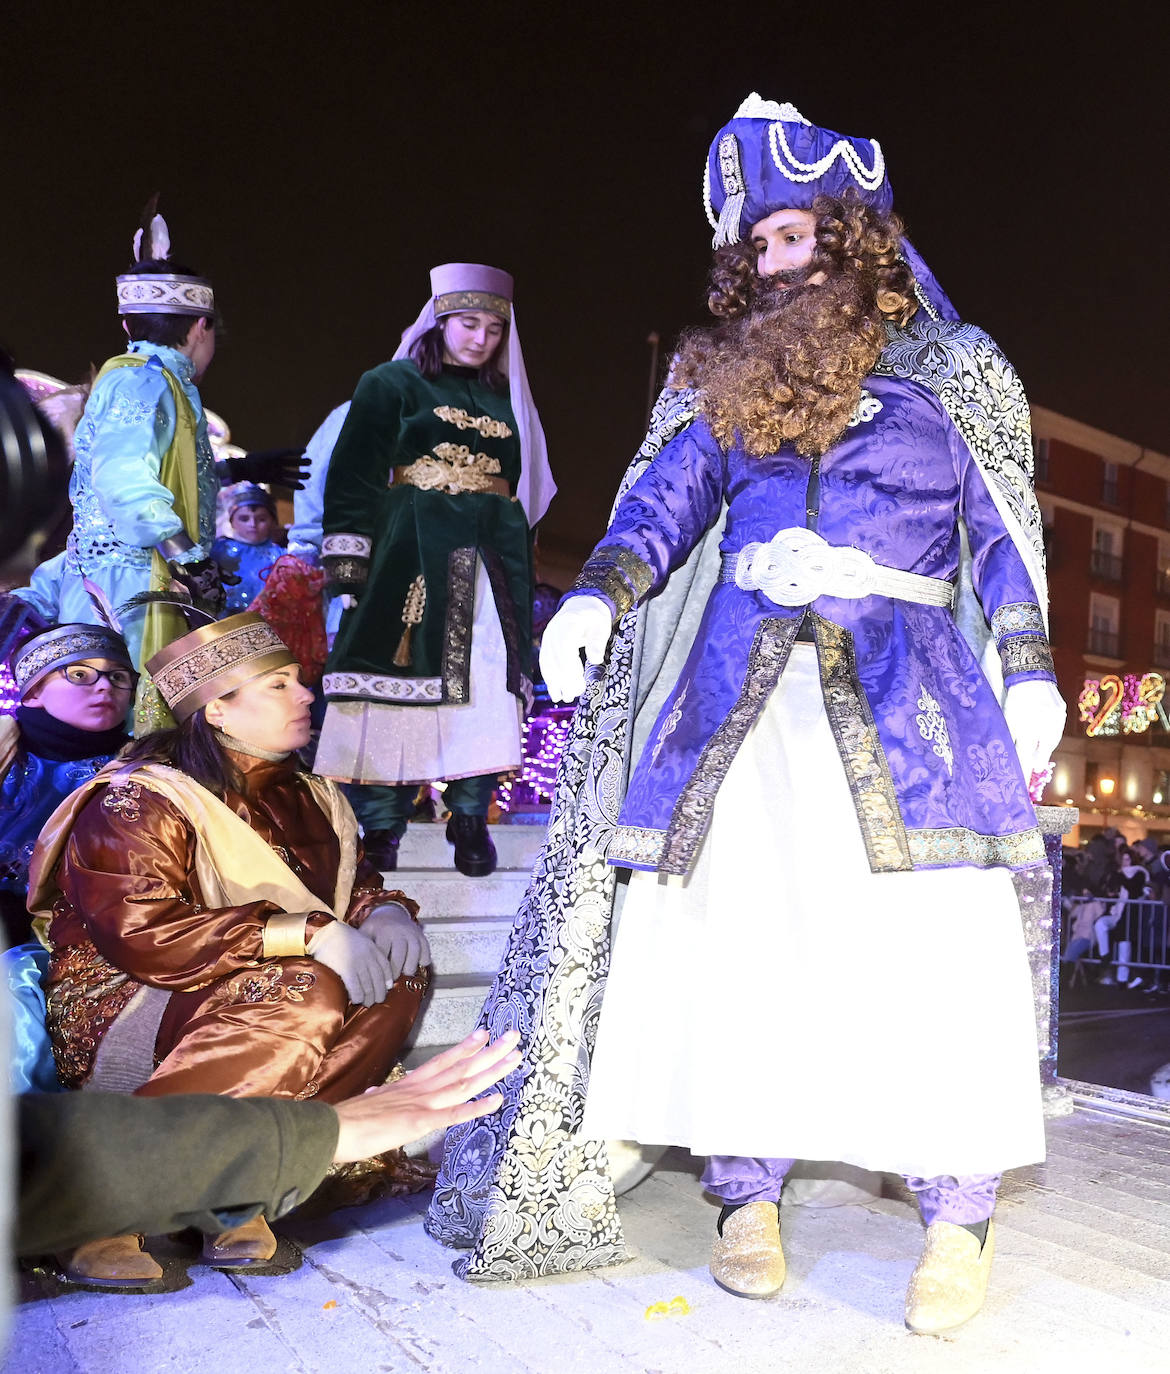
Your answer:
<point x="1081" y="1284"/>
<point x="1116" y="1036"/>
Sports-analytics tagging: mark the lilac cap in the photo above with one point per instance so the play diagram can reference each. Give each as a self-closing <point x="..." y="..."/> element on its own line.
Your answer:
<point x="471" y="286"/>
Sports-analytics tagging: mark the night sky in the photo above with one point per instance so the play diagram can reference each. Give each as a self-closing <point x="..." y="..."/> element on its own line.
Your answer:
<point x="316" y="167"/>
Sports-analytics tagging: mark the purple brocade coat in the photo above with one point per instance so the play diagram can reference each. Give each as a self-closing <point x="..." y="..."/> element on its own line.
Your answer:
<point x="935" y="778"/>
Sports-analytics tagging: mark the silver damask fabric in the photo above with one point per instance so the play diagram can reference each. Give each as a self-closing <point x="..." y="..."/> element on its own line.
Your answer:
<point x="518" y="1187"/>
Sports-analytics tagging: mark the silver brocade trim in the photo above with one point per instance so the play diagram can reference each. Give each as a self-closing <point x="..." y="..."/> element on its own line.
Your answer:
<point x="164" y="293"/>
<point x="456" y="665"/>
<point x="692" y="811"/>
<point x="380" y="687"/>
<point x="346" y="546"/>
<point x="636" y="844"/>
<point x="1026" y="654"/>
<point x="860" y="747"/>
<point x="955" y="845"/>
<point x="1019" y="617"/>
<point x="62" y="650"/>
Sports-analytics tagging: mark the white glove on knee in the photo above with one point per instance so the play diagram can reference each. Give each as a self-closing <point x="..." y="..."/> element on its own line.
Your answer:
<point x="1035" y="714"/>
<point x="584" y="622"/>
<point x="358" y="962"/>
<point x="399" y="938"/>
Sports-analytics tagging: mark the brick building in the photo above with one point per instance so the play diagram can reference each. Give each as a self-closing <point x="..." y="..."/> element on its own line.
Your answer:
<point x="1106" y="508"/>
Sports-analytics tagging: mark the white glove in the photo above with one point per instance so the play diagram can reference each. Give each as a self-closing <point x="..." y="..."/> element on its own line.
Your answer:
<point x="348" y="601"/>
<point x="359" y="963"/>
<point x="584" y="622"/>
<point x="1035" y="714"/>
<point x="400" y="938"/>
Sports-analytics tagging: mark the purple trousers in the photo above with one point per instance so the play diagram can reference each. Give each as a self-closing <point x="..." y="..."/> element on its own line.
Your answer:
<point x="963" y="1200"/>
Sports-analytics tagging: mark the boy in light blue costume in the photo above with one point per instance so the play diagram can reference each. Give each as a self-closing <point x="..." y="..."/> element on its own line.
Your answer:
<point x="145" y="480"/>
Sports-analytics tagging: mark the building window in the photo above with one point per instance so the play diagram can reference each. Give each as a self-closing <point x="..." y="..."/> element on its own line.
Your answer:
<point x="1164" y="568"/>
<point x="1105" y="560"/>
<point x="1162" y="639"/>
<point x="1040" y="460"/>
<point x="1104" y="626"/>
<point x="1110" y="492"/>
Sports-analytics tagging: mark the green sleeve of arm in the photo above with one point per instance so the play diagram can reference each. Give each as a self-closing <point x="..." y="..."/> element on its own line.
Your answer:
<point x="104" y="1164"/>
<point x="359" y="470"/>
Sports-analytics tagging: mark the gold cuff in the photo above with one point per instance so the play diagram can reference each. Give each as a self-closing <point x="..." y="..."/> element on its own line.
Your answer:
<point x="284" y="935"/>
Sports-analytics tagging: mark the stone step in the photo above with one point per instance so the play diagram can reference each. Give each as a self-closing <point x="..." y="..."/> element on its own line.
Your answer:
<point x="468" y="944"/>
<point x="445" y="893"/>
<point x="425" y="845"/>
<point x="450" y="1011"/>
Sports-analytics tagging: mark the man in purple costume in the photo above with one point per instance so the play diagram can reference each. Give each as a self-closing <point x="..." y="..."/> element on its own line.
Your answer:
<point x="822" y="774"/>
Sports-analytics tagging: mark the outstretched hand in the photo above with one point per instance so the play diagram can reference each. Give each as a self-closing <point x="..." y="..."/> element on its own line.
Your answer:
<point x="429" y="1098"/>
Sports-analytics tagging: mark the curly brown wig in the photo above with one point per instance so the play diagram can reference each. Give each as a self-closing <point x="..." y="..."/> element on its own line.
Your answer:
<point x="786" y="363"/>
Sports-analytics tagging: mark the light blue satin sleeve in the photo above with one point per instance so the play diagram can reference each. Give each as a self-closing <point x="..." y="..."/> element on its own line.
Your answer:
<point x="43" y="592"/>
<point x="133" y="414"/>
<point x="304" y="534"/>
<point x="31" y="1067"/>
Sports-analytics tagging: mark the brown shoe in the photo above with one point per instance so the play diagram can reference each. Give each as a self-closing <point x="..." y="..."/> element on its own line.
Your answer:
<point x="949" y="1284"/>
<point x="746" y="1258"/>
<point x="252" y="1243"/>
<point x="113" y="1262"/>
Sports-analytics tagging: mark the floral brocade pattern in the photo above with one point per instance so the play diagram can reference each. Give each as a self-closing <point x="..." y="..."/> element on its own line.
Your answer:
<point x="861" y="751"/>
<point x="520" y="1188"/>
<point x="85" y="995"/>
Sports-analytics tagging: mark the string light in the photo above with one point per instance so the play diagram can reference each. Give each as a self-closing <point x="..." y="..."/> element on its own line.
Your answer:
<point x="545" y="736"/>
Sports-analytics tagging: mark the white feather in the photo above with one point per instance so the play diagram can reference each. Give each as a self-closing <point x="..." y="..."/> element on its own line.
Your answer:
<point x="137" y="245"/>
<point x="160" y="238"/>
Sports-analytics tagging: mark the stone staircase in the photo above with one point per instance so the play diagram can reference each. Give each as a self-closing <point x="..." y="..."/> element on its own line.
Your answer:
<point x="467" y="921"/>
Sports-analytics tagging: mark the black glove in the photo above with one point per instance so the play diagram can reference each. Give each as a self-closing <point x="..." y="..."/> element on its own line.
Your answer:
<point x="205" y="582"/>
<point x="283" y="467"/>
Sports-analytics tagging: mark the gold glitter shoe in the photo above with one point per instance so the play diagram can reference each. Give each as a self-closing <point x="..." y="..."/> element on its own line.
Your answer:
<point x="747" y="1259"/>
<point x="949" y="1284"/>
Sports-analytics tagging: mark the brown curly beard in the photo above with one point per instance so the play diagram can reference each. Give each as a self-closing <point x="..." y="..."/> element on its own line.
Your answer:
<point x="787" y="362"/>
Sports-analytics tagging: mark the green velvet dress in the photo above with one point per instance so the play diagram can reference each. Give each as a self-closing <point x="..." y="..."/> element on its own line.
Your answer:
<point x="413" y="551"/>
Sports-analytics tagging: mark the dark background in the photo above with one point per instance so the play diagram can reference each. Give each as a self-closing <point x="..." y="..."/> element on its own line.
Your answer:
<point x="315" y="162"/>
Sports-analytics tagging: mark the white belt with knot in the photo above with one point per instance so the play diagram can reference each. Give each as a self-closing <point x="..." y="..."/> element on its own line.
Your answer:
<point x="796" y="566"/>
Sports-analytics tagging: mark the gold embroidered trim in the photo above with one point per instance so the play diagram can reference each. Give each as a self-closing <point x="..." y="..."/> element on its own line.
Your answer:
<point x="284" y="935"/>
<point x="484" y="425"/>
<point x="866" y="768"/>
<point x="122" y="799"/>
<point x="956" y="845"/>
<point x="451" y="302"/>
<point x="616" y="573"/>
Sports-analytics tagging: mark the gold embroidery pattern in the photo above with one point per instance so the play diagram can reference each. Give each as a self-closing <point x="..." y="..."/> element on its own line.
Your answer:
<point x="482" y="424"/>
<point x="267" y="984"/>
<point x="86" y="993"/>
<point x="618" y="574"/>
<point x="412" y="614"/>
<point x="463" y="471"/>
<point x="861" y="751"/>
<point x="123" y="799"/>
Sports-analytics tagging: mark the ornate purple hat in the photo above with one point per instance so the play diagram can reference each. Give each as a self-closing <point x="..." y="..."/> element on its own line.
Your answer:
<point x="769" y="157"/>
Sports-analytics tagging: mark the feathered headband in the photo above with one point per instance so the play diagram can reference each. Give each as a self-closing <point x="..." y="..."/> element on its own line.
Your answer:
<point x="160" y="293"/>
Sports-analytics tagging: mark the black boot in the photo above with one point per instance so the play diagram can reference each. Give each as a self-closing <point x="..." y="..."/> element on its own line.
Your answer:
<point x="382" y="849"/>
<point x="475" y="854"/>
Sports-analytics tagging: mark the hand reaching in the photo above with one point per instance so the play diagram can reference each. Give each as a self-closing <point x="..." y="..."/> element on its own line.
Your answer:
<point x="429" y="1098"/>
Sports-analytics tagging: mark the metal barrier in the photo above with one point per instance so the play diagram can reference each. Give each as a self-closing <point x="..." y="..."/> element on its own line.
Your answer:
<point x="1135" y="933"/>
